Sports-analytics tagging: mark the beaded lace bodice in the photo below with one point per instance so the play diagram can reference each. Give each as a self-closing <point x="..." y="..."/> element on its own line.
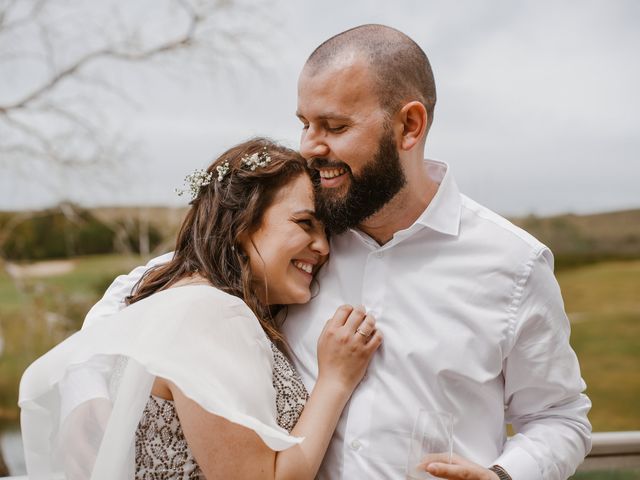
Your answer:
<point x="161" y="450"/>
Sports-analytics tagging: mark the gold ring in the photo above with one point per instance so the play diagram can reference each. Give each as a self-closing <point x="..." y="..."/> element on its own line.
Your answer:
<point x="365" y="335"/>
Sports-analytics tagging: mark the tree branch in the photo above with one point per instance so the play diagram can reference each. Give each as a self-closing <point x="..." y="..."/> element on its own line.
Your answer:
<point x="180" y="43"/>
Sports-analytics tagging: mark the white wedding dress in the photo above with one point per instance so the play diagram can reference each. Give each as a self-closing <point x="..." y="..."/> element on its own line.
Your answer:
<point x="206" y="342"/>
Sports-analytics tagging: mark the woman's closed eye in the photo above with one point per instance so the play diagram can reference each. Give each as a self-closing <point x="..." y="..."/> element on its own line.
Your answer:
<point x="306" y="219"/>
<point x="306" y="223"/>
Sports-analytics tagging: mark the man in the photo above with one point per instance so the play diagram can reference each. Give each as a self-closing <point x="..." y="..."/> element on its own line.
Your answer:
<point x="472" y="315"/>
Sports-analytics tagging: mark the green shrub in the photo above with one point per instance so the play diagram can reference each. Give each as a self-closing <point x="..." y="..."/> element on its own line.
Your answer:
<point x="52" y="234"/>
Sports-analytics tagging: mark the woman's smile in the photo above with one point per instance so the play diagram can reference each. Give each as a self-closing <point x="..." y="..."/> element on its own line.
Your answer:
<point x="289" y="246"/>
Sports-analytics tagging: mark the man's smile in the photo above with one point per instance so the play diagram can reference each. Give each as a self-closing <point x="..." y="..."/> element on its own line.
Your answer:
<point x="332" y="177"/>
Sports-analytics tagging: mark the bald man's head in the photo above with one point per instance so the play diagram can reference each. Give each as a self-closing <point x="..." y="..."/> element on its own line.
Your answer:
<point x="399" y="68"/>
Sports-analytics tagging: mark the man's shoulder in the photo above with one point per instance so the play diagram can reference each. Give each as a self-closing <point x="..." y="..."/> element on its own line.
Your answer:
<point x="492" y="227"/>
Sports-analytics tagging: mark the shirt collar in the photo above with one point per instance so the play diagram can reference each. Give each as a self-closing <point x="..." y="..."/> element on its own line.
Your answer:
<point x="443" y="212"/>
<point x="441" y="215"/>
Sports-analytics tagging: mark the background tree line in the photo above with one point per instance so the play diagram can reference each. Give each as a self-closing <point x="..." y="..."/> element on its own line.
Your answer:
<point x="68" y="230"/>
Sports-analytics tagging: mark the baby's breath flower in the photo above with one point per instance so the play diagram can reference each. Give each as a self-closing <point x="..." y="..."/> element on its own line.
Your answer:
<point x="258" y="159"/>
<point x="195" y="181"/>
<point x="222" y="170"/>
<point x="201" y="178"/>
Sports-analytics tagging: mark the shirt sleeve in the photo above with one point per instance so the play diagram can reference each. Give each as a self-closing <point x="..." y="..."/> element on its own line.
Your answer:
<point x="113" y="299"/>
<point x="544" y="397"/>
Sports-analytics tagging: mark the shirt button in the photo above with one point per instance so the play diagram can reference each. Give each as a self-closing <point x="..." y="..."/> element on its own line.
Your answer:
<point x="379" y="254"/>
<point x="355" y="445"/>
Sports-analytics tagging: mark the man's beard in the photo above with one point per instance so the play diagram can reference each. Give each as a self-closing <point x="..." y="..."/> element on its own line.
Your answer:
<point x="372" y="189"/>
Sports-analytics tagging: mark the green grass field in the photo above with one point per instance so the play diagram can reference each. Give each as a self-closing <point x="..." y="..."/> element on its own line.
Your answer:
<point x="602" y="300"/>
<point x="608" y="475"/>
<point x="89" y="277"/>
<point x="43" y="311"/>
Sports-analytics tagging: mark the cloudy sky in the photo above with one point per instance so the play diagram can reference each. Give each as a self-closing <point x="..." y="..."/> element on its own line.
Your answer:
<point x="537" y="103"/>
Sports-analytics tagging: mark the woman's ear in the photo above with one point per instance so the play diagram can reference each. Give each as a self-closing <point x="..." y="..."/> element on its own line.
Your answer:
<point x="243" y="243"/>
<point x="413" y="117"/>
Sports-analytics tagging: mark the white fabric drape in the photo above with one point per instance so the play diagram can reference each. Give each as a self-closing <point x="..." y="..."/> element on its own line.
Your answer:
<point x="208" y="343"/>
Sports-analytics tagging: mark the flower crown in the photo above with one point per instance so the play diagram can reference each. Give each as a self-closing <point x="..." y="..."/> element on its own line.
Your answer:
<point x="201" y="178"/>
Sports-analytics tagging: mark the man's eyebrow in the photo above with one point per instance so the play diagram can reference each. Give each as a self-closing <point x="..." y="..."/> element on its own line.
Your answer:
<point x="327" y="116"/>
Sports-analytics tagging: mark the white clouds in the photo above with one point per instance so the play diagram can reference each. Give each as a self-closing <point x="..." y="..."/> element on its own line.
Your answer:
<point x="536" y="112"/>
<point x="533" y="108"/>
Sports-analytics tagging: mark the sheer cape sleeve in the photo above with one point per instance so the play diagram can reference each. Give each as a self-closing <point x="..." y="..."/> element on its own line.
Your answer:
<point x="208" y="343"/>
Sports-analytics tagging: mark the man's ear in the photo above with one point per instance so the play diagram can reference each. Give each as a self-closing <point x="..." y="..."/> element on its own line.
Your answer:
<point x="413" y="117"/>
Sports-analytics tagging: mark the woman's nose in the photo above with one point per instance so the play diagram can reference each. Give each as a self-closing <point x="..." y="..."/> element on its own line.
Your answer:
<point x="320" y="244"/>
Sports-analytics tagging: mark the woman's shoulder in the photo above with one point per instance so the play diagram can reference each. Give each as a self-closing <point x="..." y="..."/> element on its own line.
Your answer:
<point x="200" y="307"/>
<point x="211" y="301"/>
<point x="195" y="296"/>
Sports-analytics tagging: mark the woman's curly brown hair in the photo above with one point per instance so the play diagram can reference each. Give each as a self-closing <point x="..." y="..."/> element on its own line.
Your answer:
<point x="222" y="211"/>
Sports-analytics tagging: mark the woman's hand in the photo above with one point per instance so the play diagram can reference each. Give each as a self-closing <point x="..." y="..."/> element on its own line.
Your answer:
<point x="345" y="348"/>
<point x="346" y="345"/>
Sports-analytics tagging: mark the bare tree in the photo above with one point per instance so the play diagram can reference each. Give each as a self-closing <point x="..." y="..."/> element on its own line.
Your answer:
<point x="61" y="65"/>
<point x="65" y="74"/>
<point x="66" y="68"/>
<point x="65" y="71"/>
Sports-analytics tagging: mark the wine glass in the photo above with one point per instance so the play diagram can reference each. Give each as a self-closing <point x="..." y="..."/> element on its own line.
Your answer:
<point x="431" y="439"/>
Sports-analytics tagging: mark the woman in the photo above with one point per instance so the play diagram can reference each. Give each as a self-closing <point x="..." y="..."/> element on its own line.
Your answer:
<point x="195" y="383"/>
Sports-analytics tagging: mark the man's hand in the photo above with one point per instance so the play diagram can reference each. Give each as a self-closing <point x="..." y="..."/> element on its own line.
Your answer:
<point x="459" y="469"/>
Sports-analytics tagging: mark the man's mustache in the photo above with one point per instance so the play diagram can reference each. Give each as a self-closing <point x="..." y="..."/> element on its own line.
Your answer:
<point x="319" y="162"/>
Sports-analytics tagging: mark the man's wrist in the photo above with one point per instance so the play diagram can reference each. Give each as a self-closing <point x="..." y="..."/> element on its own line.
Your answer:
<point x="498" y="470"/>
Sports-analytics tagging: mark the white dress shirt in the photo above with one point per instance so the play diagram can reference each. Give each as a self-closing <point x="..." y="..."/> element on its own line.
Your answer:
<point x="473" y="324"/>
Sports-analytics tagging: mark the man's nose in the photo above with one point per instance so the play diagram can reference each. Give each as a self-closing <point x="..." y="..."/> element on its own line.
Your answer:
<point x="312" y="144"/>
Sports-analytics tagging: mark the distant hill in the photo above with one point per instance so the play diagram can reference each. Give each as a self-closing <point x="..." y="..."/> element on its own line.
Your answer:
<point x="166" y="219"/>
<point x="578" y="239"/>
<point x="574" y="239"/>
<point x="69" y="230"/>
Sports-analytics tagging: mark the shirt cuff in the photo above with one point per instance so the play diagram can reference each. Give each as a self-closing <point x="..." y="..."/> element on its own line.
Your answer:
<point x="519" y="464"/>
